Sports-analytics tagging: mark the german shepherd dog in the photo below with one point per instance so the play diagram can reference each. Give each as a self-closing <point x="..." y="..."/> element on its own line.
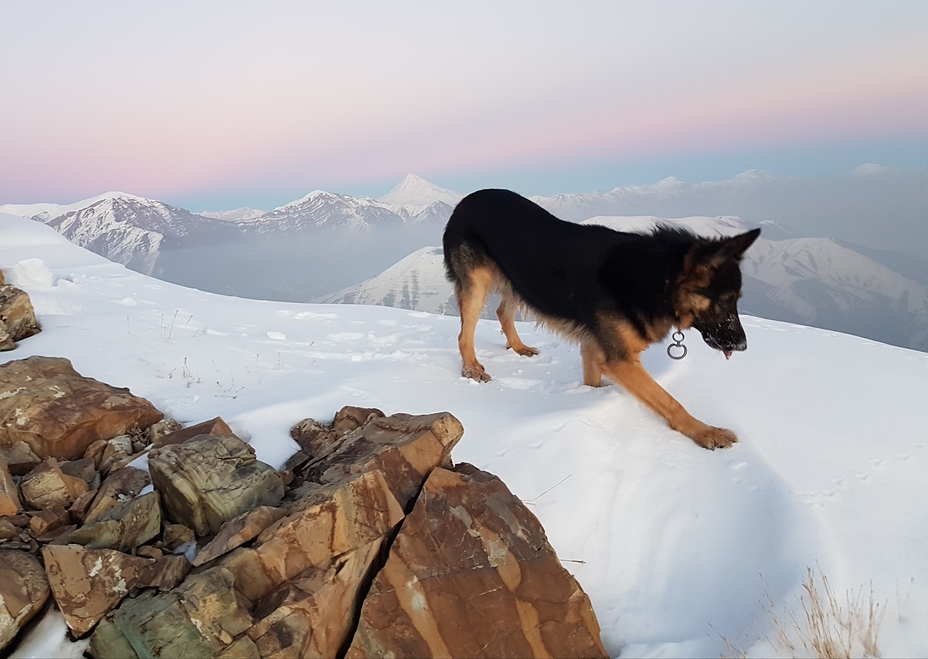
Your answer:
<point x="614" y="293"/>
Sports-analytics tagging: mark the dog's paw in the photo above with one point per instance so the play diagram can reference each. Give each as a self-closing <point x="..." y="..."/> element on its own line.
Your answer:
<point x="712" y="438"/>
<point x="476" y="373"/>
<point x="524" y="350"/>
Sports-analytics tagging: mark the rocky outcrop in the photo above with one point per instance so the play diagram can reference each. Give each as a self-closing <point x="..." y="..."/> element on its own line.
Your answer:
<point x="471" y="574"/>
<point x="48" y="405"/>
<point x="17" y="317"/>
<point x="369" y="542"/>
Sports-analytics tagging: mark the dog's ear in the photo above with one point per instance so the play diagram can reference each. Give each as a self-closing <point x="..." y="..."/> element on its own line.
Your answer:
<point x="707" y="255"/>
<point x="736" y="246"/>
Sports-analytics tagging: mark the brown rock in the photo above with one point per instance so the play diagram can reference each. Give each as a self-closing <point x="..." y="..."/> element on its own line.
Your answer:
<point x="116" y="453"/>
<point x="47" y="484"/>
<point x="23" y="592"/>
<point x="17" y="317"/>
<point x="313" y="613"/>
<point x="120" y="486"/>
<point x="471" y="574"/>
<point x="53" y="517"/>
<point x="19" y="458"/>
<point x="404" y="448"/>
<point x="167" y="573"/>
<point x="176" y="535"/>
<point x="84" y="468"/>
<point x="208" y="480"/>
<point x="327" y="523"/>
<point x="10" y="503"/>
<point x="317" y="440"/>
<point x="81" y="505"/>
<point x="58" y="536"/>
<point x="87" y="583"/>
<point x="58" y="413"/>
<point x="161" y="429"/>
<point x="8" y="530"/>
<point x="238" y="531"/>
<point x="123" y="527"/>
<point x="147" y="551"/>
<point x="215" y="427"/>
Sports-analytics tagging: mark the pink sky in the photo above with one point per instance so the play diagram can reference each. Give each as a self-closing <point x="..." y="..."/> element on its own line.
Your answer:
<point x="228" y="102"/>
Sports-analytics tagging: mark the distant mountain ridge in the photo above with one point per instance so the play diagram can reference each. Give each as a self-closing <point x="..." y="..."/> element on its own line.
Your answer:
<point x="326" y="241"/>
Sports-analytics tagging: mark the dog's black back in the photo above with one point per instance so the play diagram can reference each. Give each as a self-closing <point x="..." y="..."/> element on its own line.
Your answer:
<point x="565" y="270"/>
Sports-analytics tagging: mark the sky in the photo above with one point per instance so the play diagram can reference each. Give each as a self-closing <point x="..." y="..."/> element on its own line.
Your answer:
<point x="217" y="105"/>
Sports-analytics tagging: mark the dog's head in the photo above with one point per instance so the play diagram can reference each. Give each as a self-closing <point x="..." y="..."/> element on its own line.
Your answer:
<point x="709" y="288"/>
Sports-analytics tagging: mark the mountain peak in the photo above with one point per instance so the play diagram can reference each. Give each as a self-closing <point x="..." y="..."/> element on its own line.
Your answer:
<point x="416" y="191"/>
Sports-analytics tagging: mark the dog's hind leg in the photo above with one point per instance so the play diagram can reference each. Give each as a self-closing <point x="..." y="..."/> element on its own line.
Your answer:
<point x="638" y="382"/>
<point x="472" y="295"/>
<point x="506" y="312"/>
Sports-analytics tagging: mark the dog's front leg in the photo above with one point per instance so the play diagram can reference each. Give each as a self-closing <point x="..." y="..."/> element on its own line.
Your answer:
<point x="637" y="381"/>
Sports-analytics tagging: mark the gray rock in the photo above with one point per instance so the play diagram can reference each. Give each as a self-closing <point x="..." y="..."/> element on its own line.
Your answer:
<point x="208" y="480"/>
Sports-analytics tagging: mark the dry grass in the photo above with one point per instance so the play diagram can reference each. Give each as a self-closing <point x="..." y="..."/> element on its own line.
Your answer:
<point x="829" y="627"/>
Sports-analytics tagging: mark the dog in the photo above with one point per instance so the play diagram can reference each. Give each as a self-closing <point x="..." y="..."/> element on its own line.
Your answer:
<point x="614" y="293"/>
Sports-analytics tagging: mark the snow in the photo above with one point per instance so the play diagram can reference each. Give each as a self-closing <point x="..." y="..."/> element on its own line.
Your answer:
<point x="415" y="191"/>
<point x="679" y="548"/>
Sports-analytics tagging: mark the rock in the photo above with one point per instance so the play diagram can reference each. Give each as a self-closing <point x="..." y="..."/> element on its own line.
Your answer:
<point x="404" y="448"/>
<point x="471" y="574"/>
<point x="317" y="440"/>
<point x="116" y="453"/>
<point x="58" y="413"/>
<point x="120" y="486"/>
<point x="167" y="573"/>
<point x="10" y="503"/>
<point x="47" y="484"/>
<point x="313" y="613"/>
<point x="208" y="480"/>
<point x="8" y="530"/>
<point x="327" y="523"/>
<point x="238" y="531"/>
<point x="176" y="535"/>
<point x="147" y="551"/>
<point x="19" y="458"/>
<point x="215" y="427"/>
<point x="81" y="505"/>
<point x="43" y="521"/>
<point x="201" y="618"/>
<point x="84" y="468"/>
<point x="161" y="429"/>
<point x="87" y="583"/>
<point x="123" y="527"/>
<point x="17" y="317"/>
<point x="107" y="642"/>
<point x="23" y="592"/>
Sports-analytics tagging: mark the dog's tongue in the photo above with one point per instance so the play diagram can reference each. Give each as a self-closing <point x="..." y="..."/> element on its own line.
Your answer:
<point x="727" y="354"/>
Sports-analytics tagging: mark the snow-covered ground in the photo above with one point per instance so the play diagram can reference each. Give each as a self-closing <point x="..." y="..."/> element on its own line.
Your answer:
<point x="679" y="548"/>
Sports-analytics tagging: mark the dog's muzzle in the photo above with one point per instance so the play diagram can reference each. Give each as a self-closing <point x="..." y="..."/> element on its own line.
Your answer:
<point x="727" y="336"/>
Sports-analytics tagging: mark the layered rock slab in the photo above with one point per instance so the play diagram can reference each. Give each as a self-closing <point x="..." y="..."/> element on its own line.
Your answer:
<point x="58" y="413"/>
<point x="209" y="480"/>
<point x="471" y="574"/>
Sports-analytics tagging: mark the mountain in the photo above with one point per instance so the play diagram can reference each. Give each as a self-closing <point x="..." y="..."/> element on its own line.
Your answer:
<point x="326" y="210"/>
<point x="234" y="215"/>
<point x="418" y="200"/>
<point x="134" y="230"/>
<point x="811" y="281"/>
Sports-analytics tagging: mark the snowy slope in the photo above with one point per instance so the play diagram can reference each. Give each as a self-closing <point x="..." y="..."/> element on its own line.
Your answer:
<point x="677" y="546"/>
<point x="417" y="282"/>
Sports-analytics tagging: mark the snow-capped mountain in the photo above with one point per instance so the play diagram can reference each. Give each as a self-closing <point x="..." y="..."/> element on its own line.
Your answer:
<point x="234" y="215"/>
<point x="418" y="200"/>
<point x="811" y="281"/>
<point x="326" y="210"/>
<point x="126" y="228"/>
